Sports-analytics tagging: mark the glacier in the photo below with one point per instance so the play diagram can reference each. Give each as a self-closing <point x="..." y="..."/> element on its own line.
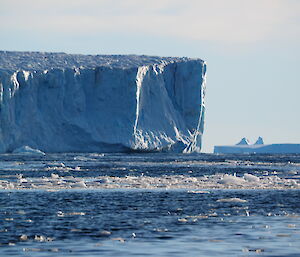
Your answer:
<point x="59" y="102"/>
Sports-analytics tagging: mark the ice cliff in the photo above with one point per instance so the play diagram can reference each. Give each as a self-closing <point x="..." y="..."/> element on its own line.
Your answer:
<point x="58" y="102"/>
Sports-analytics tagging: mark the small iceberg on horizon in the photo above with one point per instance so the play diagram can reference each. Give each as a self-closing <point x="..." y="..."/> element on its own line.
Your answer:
<point x="28" y="150"/>
<point x="244" y="141"/>
<point x="259" y="146"/>
<point x="259" y="141"/>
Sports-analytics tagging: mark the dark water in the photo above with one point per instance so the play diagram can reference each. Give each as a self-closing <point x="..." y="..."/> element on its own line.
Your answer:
<point x="149" y="222"/>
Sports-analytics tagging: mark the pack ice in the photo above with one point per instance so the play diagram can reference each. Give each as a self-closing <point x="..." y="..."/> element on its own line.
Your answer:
<point x="58" y="102"/>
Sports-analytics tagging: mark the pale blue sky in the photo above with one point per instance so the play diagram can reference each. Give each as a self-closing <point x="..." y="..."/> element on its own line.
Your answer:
<point x="251" y="47"/>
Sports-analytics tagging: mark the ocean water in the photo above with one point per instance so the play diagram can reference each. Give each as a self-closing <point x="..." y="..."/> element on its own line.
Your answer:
<point x="149" y="205"/>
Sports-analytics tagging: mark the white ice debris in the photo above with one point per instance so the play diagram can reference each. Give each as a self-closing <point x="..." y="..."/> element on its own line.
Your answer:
<point x="229" y="179"/>
<point x="54" y="176"/>
<point x="23" y="238"/>
<point x="251" y="178"/>
<point x="87" y="103"/>
<point x="28" y="150"/>
<point x="41" y="238"/>
<point x="232" y="200"/>
<point x="196" y="185"/>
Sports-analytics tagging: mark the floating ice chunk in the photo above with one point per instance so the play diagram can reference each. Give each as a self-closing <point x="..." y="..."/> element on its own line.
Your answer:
<point x="55" y="165"/>
<point x="23" y="180"/>
<point x="161" y="230"/>
<point x="23" y="237"/>
<point x="232" y="200"/>
<point x="105" y="233"/>
<point x="19" y="176"/>
<point x="42" y="238"/>
<point x="32" y="249"/>
<point x="10" y="186"/>
<point x="28" y="150"/>
<point x="293" y="172"/>
<point x="62" y="214"/>
<point x="294" y="183"/>
<point x="120" y="239"/>
<point x="54" y="176"/>
<point x="76" y="213"/>
<point x="101" y="180"/>
<point x="229" y="179"/>
<point x="291" y="225"/>
<point x="258" y="250"/>
<point x="80" y="184"/>
<point x="251" y="178"/>
<point x="198" y="192"/>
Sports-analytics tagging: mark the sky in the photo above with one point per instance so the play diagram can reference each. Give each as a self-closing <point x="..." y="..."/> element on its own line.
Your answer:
<point x="252" y="50"/>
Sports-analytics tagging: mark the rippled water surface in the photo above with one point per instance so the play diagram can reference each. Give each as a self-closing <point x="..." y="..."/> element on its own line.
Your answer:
<point x="149" y="205"/>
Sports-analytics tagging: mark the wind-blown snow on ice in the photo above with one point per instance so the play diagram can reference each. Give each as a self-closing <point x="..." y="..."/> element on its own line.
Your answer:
<point x="57" y="102"/>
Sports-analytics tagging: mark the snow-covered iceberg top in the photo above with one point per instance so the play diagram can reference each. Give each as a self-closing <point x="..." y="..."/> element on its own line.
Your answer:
<point x="34" y="61"/>
<point x="105" y="103"/>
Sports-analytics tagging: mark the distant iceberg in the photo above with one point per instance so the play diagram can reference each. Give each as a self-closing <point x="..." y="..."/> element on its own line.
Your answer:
<point x="259" y="141"/>
<point x="59" y="102"/>
<point x="258" y="147"/>
<point x="244" y="141"/>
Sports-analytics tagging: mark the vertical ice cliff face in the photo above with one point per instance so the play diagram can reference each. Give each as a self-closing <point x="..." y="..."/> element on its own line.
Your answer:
<point x="100" y="103"/>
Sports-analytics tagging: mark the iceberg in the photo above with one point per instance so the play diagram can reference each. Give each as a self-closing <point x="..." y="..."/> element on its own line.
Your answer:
<point x="59" y="102"/>
<point x="258" y="147"/>
<point x="244" y="141"/>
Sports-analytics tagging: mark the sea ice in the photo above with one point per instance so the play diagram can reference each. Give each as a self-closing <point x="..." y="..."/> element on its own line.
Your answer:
<point x="229" y="179"/>
<point x="251" y="178"/>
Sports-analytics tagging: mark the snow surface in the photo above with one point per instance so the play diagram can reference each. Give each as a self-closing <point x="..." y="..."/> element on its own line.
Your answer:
<point x="58" y="102"/>
<point x="39" y="61"/>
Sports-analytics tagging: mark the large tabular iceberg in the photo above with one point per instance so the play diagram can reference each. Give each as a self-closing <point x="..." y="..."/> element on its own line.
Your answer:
<point x="58" y="102"/>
